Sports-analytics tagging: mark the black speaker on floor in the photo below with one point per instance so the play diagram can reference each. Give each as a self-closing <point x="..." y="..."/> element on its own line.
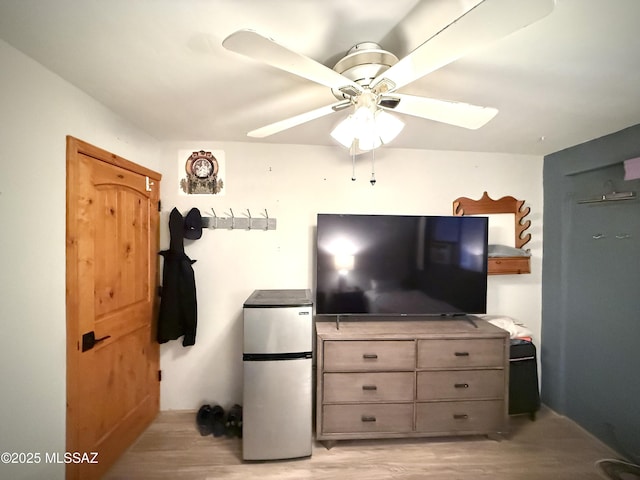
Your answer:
<point x="524" y="396"/>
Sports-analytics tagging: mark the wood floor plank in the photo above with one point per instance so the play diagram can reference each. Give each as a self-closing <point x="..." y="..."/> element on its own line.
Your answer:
<point x="551" y="447"/>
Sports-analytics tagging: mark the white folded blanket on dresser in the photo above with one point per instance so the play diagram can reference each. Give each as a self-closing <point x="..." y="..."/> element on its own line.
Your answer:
<point x="516" y="330"/>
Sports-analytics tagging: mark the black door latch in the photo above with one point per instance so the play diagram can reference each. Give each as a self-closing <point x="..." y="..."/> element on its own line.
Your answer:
<point x="89" y="340"/>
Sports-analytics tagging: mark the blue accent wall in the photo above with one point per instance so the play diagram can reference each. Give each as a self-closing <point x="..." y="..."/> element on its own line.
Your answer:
<point x="590" y="354"/>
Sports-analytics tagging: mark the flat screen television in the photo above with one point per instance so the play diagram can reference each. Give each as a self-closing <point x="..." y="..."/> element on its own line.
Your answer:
<point x="401" y="265"/>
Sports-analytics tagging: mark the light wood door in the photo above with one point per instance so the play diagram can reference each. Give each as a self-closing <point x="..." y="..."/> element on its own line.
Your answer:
<point x="112" y="245"/>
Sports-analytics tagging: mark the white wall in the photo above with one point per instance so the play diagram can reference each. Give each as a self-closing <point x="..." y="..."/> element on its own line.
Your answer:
<point x="294" y="183"/>
<point x="37" y="111"/>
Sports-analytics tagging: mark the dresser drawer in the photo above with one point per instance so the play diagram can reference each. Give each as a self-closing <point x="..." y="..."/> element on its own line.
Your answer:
<point x="460" y="384"/>
<point x="369" y="355"/>
<point x="387" y="417"/>
<point x="368" y="387"/>
<point x="482" y="352"/>
<point x="457" y="417"/>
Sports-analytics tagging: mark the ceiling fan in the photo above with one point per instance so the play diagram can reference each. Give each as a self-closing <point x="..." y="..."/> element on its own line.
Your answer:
<point x="368" y="78"/>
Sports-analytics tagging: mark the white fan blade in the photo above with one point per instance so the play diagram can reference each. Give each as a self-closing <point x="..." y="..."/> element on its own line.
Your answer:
<point x="453" y="113"/>
<point x="298" y="120"/>
<point x="488" y="21"/>
<point x="261" y="48"/>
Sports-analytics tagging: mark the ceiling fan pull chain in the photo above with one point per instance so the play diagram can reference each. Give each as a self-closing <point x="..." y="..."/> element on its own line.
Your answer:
<point x="353" y="161"/>
<point x="373" y="167"/>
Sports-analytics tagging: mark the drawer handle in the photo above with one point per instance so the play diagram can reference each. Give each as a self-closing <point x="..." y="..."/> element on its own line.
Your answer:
<point x="368" y="418"/>
<point x="370" y="355"/>
<point x="461" y="354"/>
<point x="460" y="416"/>
<point x="462" y="385"/>
<point x="369" y="387"/>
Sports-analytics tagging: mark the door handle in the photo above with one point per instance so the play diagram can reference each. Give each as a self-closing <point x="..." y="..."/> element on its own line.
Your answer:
<point x="89" y="340"/>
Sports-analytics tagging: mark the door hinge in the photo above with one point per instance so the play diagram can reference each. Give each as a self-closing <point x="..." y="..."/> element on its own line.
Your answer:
<point x="159" y="375"/>
<point x="159" y="206"/>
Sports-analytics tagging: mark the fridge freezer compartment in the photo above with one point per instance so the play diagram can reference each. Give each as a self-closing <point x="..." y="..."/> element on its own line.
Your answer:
<point x="278" y="330"/>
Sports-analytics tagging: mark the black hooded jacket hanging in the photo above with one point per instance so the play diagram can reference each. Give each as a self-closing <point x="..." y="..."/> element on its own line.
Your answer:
<point x="178" y="308"/>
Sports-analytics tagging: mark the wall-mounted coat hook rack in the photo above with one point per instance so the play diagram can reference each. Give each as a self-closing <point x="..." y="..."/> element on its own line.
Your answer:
<point x="619" y="236"/>
<point x="610" y="197"/>
<point x="231" y="222"/>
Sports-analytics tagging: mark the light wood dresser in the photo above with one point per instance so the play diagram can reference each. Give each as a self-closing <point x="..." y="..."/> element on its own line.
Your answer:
<point x="416" y="378"/>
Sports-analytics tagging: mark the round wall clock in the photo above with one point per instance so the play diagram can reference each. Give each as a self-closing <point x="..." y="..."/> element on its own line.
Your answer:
<point x="202" y="174"/>
<point x="202" y="165"/>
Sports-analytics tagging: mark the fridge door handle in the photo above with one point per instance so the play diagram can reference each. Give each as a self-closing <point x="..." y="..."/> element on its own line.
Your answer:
<point x="270" y="357"/>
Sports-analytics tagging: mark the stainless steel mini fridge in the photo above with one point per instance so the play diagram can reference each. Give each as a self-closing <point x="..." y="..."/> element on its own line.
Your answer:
<point x="277" y="356"/>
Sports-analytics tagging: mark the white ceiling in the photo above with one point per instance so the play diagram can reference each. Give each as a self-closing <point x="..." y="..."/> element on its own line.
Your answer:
<point x="569" y="78"/>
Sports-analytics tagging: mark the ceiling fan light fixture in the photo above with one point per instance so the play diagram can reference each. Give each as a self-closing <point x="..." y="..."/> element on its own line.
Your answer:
<point x="344" y="132"/>
<point x="369" y="141"/>
<point x="364" y="122"/>
<point x="388" y="126"/>
<point x="369" y="128"/>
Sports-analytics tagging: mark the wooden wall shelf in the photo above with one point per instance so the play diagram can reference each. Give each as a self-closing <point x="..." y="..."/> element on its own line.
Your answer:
<point x="508" y="265"/>
<point x="486" y="205"/>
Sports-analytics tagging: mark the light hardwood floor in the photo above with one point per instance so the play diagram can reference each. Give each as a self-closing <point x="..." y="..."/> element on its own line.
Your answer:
<point x="551" y="447"/>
